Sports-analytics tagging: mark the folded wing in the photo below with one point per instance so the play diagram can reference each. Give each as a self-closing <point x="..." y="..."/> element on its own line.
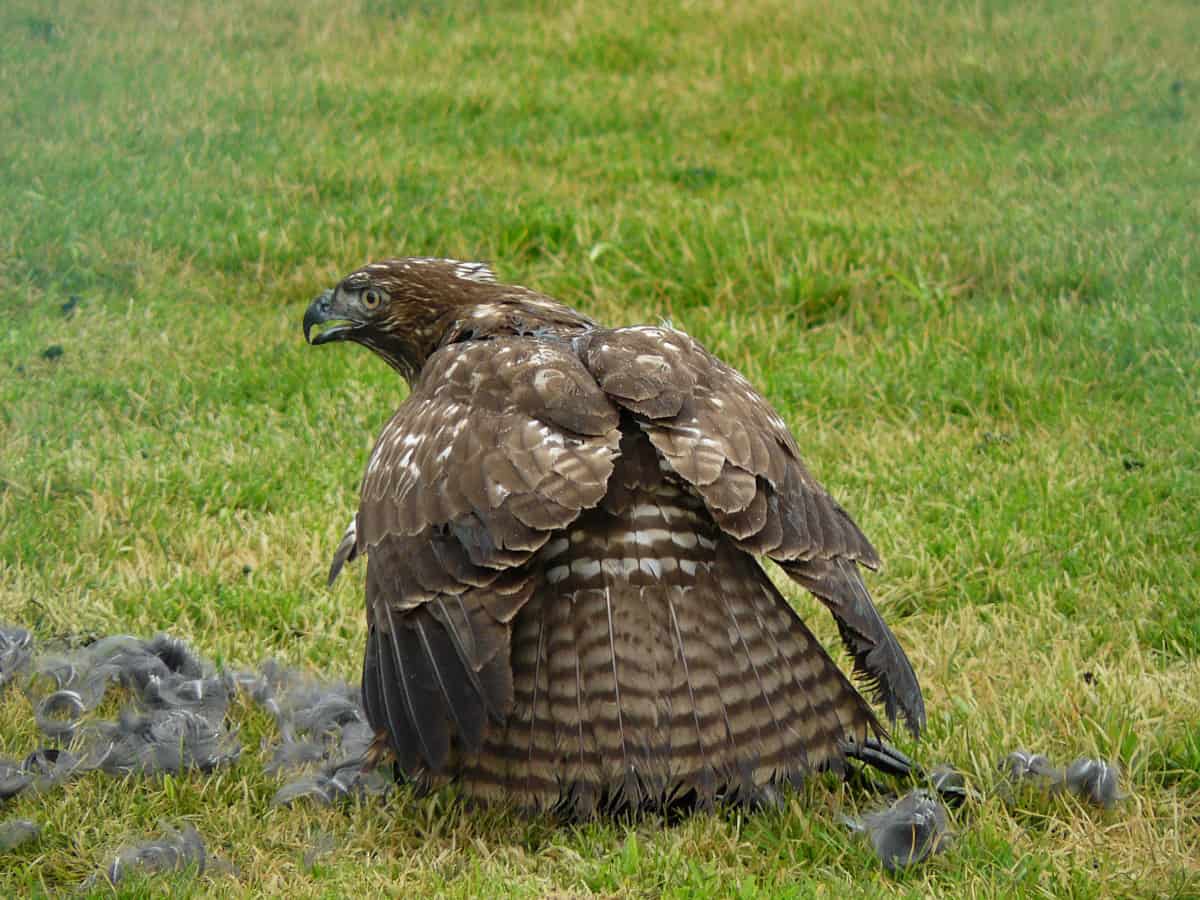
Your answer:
<point x="500" y="443"/>
<point x="723" y="438"/>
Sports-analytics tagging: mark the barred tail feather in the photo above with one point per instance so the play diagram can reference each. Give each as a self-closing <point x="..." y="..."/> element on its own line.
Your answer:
<point x="643" y="679"/>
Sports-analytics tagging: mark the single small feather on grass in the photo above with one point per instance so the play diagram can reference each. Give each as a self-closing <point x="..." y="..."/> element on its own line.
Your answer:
<point x="1024" y="766"/>
<point x="16" y="832"/>
<point x="16" y="651"/>
<point x="173" y="852"/>
<point x="1095" y="781"/>
<point x="907" y="832"/>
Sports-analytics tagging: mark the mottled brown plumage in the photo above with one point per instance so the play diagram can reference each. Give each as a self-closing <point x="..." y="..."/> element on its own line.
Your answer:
<point x="561" y="524"/>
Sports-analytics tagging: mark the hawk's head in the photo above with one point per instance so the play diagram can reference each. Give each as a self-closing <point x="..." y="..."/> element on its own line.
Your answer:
<point x="400" y="308"/>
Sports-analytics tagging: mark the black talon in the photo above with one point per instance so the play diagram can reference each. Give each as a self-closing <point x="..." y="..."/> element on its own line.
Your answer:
<point x="883" y="757"/>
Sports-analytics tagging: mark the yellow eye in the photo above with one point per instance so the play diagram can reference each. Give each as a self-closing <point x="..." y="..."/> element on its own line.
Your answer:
<point x="371" y="298"/>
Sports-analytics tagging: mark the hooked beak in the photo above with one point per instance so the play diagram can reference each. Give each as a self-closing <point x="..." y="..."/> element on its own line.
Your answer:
<point x="332" y="327"/>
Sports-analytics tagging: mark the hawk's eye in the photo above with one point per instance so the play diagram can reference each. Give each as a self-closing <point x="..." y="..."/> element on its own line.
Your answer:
<point x="371" y="298"/>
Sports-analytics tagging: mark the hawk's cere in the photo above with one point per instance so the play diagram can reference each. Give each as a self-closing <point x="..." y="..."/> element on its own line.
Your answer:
<point x="561" y="525"/>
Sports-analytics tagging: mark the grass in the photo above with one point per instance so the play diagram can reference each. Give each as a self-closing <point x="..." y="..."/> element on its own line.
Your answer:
<point x="955" y="242"/>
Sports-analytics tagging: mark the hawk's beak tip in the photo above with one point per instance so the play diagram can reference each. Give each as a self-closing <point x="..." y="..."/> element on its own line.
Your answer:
<point x="317" y="313"/>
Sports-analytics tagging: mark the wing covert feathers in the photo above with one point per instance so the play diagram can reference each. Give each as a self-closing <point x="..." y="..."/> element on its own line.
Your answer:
<point x="500" y="441"/>
<point x="723" y="438"/>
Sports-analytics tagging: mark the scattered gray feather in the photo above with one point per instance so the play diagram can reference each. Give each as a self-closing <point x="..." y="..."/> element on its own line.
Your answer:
<point x="16" y="832"/>
<point x="909" y="831"/>
<point x="41" y="770"/>
<point x="13" y="778"/>
<point x="53" y="673"/>
<point x="206" y="697"/>
<point x="1092" y="780"/>
<point x="316" y="788"/>
<point x="950" y="784"/>
<point x="172" y="740"/>
<point x="263" y="688"/>
<point x="177" y="656"/>
<point x="322" y="727"/>
<point x="356" y="739"/>
<point x="1095" y="781"/>
<point x="177" y="718"/>
<point x="294" y="755"/>
<point x="52" y="764"/>
<point x="322" y="843"/>
<point x="16" y="651"/>
<point x="336" y="783"/>
<point x="323" y="711"/>
<point x="174" y="852"/>
<point x="1024" y="766"/>
<point x="58" y="713"/>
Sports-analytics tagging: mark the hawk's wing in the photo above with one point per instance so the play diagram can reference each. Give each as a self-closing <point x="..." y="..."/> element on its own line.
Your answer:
<point x="722" y="437"/>
<point x="500" y="443"/>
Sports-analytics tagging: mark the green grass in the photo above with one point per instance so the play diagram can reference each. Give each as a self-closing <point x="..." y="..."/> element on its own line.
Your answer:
<point x="955" y="242"/>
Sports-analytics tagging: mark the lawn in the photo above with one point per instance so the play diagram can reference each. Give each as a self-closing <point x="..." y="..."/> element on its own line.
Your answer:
<point x="956" y="243"/>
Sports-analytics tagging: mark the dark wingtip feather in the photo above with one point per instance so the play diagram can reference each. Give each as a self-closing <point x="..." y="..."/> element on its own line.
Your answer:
<point x="372" y="691"/>
<point x="879" y="660"/>
<point x="432" y="680"/>
<point x="462" y="704"/>
<point x="481" y="643"/>
<point x="429" y="717"/>
<point x="879" y="654"/>
<point x="407" y="741"/>
<point x="884" y="672"/>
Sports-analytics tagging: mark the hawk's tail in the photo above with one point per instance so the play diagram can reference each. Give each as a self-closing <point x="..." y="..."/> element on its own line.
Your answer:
<point x="657" y="664"/>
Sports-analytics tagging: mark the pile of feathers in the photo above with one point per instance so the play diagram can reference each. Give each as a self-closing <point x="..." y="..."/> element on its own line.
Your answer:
<point x="173" y="716"/>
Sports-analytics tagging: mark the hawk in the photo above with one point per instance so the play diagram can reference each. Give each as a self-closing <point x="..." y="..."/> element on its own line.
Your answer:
<point x="562" y="524"/>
